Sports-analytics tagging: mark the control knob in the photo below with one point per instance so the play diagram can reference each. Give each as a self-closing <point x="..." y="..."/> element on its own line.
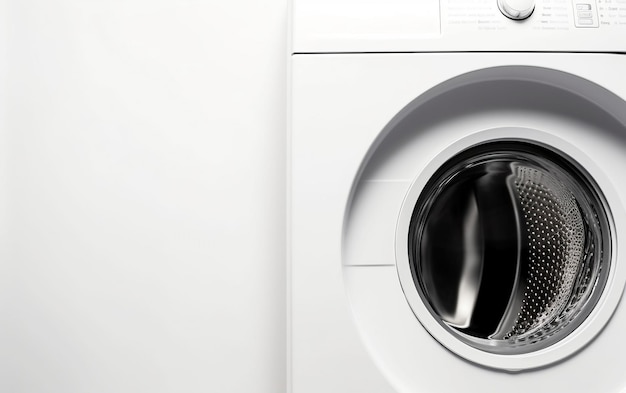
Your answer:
<point x="516" y="9"/>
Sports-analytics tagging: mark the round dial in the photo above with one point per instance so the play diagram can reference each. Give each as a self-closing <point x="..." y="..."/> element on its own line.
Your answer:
<point x="516" y="9"/>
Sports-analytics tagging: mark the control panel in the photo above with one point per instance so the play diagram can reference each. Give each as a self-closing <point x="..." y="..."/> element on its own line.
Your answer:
<point x="346" y="26"/>
<point x="539" y="15"/>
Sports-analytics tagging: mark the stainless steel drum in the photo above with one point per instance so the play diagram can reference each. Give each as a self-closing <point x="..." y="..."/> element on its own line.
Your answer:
<point x="509" y="246"/>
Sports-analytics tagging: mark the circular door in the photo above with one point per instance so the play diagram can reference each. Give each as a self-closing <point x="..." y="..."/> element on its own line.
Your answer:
<point x="506" y="239"/>
<point x="509" y="246"/>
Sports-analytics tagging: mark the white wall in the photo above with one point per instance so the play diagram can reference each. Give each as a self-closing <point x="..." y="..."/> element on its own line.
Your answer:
<point x="142" y="246"/>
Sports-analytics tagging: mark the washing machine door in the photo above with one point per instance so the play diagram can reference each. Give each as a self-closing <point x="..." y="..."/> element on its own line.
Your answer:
<point x="509" y="246"/>
<point x="506" y="237"/>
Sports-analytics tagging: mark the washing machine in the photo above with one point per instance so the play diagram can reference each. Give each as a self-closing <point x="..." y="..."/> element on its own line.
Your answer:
<point x="457" y="183"/>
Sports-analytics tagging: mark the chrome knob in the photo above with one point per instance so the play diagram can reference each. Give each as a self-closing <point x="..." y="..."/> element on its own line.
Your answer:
<point x="516" y="9"/>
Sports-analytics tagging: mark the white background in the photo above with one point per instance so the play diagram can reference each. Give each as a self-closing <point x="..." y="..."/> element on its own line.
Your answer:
<point x="142" y="152"/>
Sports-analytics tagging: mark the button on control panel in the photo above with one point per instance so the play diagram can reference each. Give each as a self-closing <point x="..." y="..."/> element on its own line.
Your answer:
<point x="585" y="13"/>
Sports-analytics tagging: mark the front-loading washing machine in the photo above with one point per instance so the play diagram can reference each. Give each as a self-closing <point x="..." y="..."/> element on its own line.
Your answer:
<point x="456" y="196"/>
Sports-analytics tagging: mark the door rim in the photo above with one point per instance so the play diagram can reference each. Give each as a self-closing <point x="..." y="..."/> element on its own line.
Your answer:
<point x="607" y="303"/>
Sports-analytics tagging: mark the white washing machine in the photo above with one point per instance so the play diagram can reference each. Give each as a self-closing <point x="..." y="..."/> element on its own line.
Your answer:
<point x="457" y="189"/>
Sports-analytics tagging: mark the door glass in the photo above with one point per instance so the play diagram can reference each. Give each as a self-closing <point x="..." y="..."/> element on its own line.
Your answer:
<point x="509" y="246"/>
